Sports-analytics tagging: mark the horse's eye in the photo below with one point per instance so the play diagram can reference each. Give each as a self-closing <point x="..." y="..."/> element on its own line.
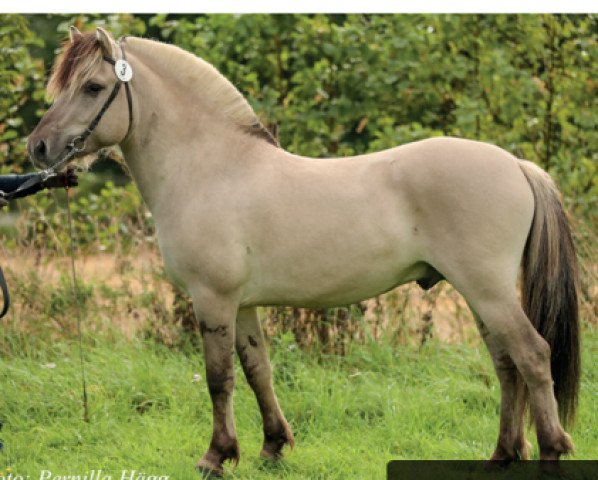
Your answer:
<point x="92" y="88"/>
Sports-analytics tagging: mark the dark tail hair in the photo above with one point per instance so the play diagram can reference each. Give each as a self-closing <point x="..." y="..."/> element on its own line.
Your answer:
<point x="550" y="287"/>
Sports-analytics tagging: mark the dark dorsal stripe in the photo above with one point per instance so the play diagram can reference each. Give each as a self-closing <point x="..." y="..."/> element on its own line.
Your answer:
<point x="258" y="130"/>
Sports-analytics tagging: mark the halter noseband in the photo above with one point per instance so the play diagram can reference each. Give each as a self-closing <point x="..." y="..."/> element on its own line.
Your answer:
<point x="77" y="144"/>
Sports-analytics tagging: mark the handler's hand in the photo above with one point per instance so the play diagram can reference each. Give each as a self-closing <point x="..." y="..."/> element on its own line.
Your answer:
<point x="3" y="201"/>
<point x="66" y="179"/>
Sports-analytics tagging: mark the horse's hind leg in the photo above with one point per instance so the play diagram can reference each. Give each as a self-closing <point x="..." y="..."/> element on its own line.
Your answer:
<point x="511" y="444"/>
<point x="256" y="365"/>
<point x="510" y="331"/>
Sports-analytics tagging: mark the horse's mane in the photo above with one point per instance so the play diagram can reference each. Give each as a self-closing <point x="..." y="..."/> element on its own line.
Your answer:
<point x="81" y="57"/>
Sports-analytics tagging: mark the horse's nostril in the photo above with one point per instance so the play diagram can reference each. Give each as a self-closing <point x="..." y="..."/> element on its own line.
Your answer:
<point x="40" y="150"/>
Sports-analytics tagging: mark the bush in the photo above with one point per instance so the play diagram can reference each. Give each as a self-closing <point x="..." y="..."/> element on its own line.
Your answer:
<point x="21" y="80"/>
<point x="112" y="220"/>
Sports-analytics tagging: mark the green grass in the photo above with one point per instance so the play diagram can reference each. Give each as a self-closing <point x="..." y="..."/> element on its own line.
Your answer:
<point x="350" y="415"/>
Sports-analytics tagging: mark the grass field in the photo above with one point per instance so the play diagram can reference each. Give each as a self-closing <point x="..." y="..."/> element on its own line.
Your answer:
<point x="350" y="414"/>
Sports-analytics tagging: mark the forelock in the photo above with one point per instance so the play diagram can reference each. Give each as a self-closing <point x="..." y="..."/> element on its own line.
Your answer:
<point x="77" y="62"/>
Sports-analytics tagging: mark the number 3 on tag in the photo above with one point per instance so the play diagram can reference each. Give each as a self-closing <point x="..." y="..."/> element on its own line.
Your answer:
<point x="123" y="70"/>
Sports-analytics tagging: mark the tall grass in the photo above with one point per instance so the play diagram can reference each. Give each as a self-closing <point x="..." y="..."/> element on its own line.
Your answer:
<point x="150" y="409"/>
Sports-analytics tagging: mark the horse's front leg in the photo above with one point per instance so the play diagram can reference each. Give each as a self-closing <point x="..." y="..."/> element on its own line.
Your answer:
<point x="256" y="365"/>
<point x="216" y="315"/>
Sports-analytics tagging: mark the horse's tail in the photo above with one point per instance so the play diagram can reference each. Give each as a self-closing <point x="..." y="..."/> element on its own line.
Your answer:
<point x="550" y="287"/>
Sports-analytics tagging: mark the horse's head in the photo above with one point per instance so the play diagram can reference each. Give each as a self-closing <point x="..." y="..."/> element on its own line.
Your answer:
<point x="82" y="83"/>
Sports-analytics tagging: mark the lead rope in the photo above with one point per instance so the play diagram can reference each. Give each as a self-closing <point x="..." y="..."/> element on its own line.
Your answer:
<point x="77" y="306"/>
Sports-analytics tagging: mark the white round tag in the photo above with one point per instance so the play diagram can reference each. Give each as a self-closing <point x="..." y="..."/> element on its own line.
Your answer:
<point x="123" y="70"/>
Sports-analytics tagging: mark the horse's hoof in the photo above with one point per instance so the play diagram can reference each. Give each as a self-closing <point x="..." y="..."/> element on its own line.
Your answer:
<point x="210" y="465"/>
<point x="273" y="444"/>
<point x="209" y="470"/>
<point x="504" y="455"/>
<point x="563" y="445"/>
<point x="269" y="455"/>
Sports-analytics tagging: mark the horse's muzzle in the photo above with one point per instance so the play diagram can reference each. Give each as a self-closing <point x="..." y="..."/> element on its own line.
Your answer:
<point x="38" y="151"/>
<point x="43" y="152"/>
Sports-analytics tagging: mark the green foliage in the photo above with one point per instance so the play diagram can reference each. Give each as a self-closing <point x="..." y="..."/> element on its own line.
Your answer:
<point x="111" y="220"/>
<point x="117" y="24"/>
<point x="21" y="80"/>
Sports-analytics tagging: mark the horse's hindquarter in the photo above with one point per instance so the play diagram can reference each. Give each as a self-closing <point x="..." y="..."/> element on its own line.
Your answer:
<point x="473" y="207"/>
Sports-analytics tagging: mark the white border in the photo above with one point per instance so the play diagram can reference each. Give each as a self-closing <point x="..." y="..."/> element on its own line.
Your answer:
<point x="301" y="6"/>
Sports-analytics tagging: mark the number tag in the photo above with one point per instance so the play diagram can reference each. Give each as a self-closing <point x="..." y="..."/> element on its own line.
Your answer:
<point x="123" y="70"/>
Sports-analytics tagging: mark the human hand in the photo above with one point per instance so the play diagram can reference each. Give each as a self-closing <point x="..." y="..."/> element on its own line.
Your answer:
<point x="65" y="179"/>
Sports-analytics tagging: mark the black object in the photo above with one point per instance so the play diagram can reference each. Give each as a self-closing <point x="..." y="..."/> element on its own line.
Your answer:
<point x="16" y="186"/>
<point x="489" y="470"/>
<point x="6" y="297"/>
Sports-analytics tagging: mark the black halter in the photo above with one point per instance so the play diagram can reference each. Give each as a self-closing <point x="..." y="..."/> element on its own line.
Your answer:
<point x="77" y="144"/>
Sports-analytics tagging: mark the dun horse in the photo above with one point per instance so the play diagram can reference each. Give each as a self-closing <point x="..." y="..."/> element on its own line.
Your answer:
<point x="242" y="223"/>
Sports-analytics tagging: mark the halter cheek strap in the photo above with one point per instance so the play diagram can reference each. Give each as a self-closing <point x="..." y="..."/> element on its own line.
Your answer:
<point x="124" y="78"/>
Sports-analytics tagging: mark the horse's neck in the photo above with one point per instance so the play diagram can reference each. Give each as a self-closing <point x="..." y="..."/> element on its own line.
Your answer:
<point x="175" y="137"/>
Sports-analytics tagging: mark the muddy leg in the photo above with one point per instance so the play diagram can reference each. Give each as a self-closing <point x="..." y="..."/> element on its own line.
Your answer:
<point x="512" y="333"/>
<point x="256" y="365"/>
<point x="216" y="318"/>
<point x="511" y="444"/>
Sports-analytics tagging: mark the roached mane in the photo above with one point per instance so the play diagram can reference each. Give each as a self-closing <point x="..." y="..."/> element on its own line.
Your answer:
<point x="214" y="86"/>
<point x="82" y="57"/>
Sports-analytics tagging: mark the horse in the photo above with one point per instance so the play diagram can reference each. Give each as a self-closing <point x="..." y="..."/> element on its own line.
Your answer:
<point x="242" y="223"/>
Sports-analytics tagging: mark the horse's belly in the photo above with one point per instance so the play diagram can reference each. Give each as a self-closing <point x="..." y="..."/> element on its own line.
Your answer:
<point x="326" y="282"/>
<point x="341" y="294"/>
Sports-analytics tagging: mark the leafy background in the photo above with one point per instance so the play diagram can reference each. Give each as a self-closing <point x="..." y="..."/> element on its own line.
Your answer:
<point x="348" y="84"/>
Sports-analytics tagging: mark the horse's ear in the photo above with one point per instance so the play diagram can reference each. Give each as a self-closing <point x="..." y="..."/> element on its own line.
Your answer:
<point x="105" y="40"/>
<point x="74" y="33"/>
